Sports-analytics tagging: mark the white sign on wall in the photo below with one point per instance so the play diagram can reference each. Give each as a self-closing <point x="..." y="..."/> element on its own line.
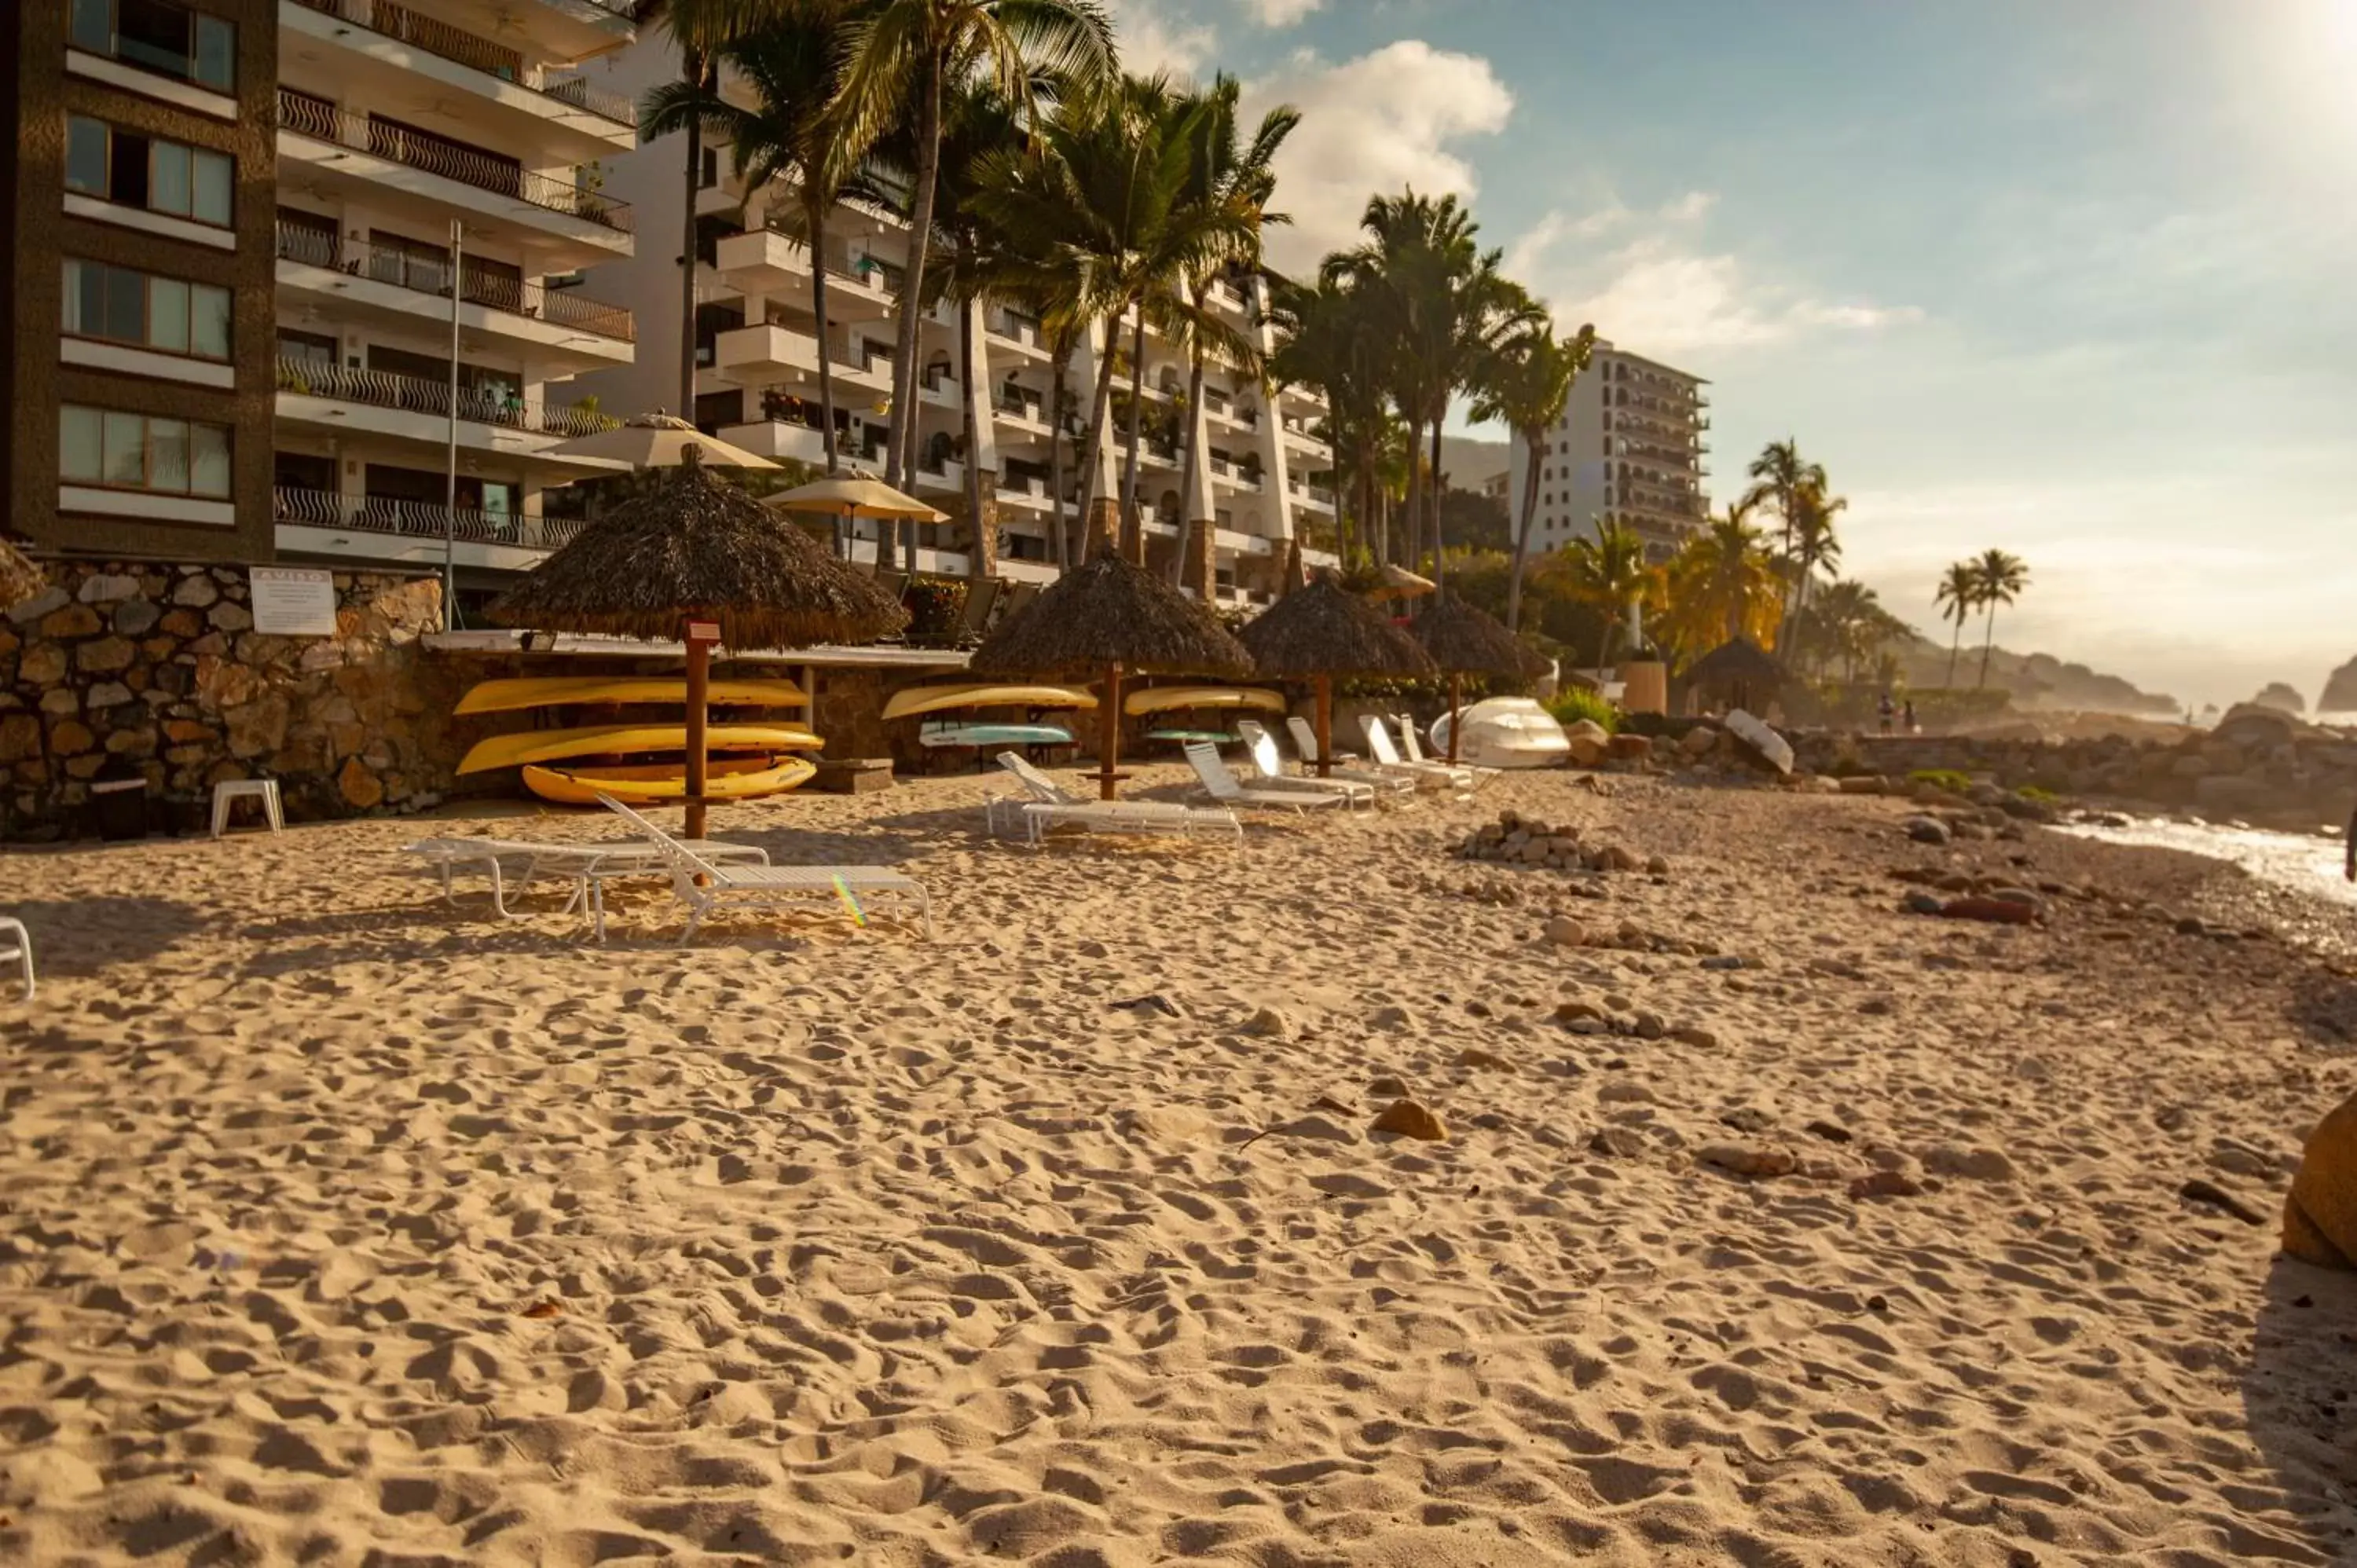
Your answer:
<point x="293" y="601"/>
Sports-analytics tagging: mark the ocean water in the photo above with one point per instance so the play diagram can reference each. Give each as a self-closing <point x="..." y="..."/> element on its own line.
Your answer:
<point x="2306" y="862"/>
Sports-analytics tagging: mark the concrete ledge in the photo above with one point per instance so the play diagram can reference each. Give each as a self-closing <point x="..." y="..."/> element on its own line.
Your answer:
<point x="852" y="775"/>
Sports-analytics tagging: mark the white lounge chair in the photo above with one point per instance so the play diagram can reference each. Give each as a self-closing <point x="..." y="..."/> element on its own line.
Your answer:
<point x="589" y="867"/>
<point x="1415" y="749"/>
<point x="1430" y="775"/>
<point x="1223" y="786"/>
<point x="1261" y="748"/>
<point x="1305" y="741"/>
<point x="16" y="942"/>
<point x="1381" y="783"/>
<point x="1052" y="805"/>
<point x="707" y="886"/>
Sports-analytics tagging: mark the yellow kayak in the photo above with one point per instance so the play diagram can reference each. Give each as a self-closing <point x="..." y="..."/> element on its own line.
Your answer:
<point x="668" y="782"/>
<point x="916" y="700"/>
<point x="622" y="740"/>
<point x="1171" y="699"/>
<point x="560" y="691"/>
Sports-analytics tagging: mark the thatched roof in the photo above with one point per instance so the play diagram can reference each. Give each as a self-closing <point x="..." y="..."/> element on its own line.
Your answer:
<point x="19" y="578"/>
<point x="698" y="548"/>
<point x="1110" y="612"/>
<point x="1326" y="629"/>
<point x="1741" y="661"/>
<point x="1466" y="639"/>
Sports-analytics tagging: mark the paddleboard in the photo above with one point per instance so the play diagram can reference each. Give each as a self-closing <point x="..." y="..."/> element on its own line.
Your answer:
<point x="916" y="700"/>
<point x="743" y="781"/>
<point x="1773" y="748"/>
<point x="563" y="691"/>
<point x="1167" y="699"/>
<point x="622" y="740"/>
<point x="996" y="735"/>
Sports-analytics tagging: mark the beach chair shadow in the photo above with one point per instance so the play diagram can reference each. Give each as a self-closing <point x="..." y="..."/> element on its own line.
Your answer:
<point x="86" y="936"/>
<point x="2299" y="1404"/>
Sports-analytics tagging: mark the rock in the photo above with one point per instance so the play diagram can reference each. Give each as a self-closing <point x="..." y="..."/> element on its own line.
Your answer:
<point x="1387" y="1087"/>
<point x="1624" y="1092"/>
<point x="71" y="737"/>
<point x="38" y="606"/>
<point x="1651" y="1026"/>
<point x="136" y="617"/>
<point x="1576" y="1009"/>
<point x="1885" y="1184"/>
<point x="228" y="616"/>
<point x="1657" y="865"/>
<point x="1630" y="748"/>
<point x="42" y="664"/>
<point x="1475" y="1058"/>
<point x="104" y="588"/>
<point x="1614" y="858"/>
<point x="1748" y="1119"/>
<point x="60" y="700"/>
<point x="1926" y="830"/>
<point x="1978" y="1163"/>
<point x="1268" y="1024"/>
<point x="1749" y="1159"/>
<point x="1566" y="932"/>
<point x="1698" y="741"/>
<point x="20" y="737"/>
<point x="107" y="695"/>
<point x="195" y="591"/>
<point x="1619" y="1143"/>
<point x="2320" y="1214"/>
<point x="1991" y="911"/>
<point x="1832" y="1133"/>
<point x="1399" y="1020"/>
<point x="105" y="657"/>
<point x="1920" y="903"/>
<point x="1862" y="784"/>
<point x="1693" y="1035"/>
<point x="2200" y="1191"/>
<point x="1723" y="960"/>
<point x="360" y="789"/>
<point x="74" y="620"/>
<point x="2236" y="1160"/>
<point x="1407" y="1119"/>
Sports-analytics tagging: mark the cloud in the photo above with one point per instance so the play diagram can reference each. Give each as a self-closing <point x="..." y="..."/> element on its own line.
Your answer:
<point x="1279" y="12"/>
<point x="1381" y="122"/>
<point x="1152" y="38"/>
<point x="1657" y="288"/>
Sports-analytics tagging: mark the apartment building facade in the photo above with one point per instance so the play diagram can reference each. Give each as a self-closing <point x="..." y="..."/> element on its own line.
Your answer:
<point x="236" y="331"/>
<point x="757" y="347"/>
<point x="1632" y="447"/>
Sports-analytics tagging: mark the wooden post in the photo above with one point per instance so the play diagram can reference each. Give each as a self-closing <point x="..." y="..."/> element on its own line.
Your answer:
<point x="1456" y="714"/>
<point x="1109" y="736"/>
<point x="1325" y="726"/>
<point x="701" y="635"/>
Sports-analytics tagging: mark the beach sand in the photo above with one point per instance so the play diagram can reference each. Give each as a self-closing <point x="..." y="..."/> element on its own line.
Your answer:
<point x="341" y="1226"/>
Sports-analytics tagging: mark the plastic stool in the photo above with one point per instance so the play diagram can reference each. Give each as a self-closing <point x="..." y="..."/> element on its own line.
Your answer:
<point x="18" y="947"/>
<point x="229" y="792"/>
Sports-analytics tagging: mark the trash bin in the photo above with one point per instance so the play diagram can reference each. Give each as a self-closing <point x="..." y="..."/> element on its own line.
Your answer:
<point x="119" y="808"/>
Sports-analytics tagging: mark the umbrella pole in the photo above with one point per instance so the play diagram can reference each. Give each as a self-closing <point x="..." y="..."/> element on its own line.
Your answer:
<point x="699" y="690"/>
<point x="1325" y="726"/>
<point x="1109" y="735"/>
<point x="1455" y="719"/>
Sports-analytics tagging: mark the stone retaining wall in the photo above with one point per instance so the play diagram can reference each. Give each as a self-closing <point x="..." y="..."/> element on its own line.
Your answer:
<point x="134" y="670"/>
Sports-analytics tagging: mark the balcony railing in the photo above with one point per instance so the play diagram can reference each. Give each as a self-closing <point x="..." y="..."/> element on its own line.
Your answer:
<point x="1033" y="409"/>
<point x="416" y="394"/>
<point x="456" y="44"/>
<point x="424" y="274"/>
<point x="420" y="519"/>
<point x="306" y="115"/>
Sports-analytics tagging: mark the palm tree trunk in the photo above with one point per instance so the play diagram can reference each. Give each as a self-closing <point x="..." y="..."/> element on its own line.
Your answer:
<point x="1059" y="367"/>
<point x="1129" y="513"/>
<point x="1988" y="647"/>
<point x="903" y="443"/>
<point x="1093" y="450"/>
<point x="693" y="68"/>
<point x="1956" y="644"/>
<point x="816" y="215"/>
<point x="1432" y="483"/>
<point x="1187" y="498"/>
<point x="1410" y="537"/>
<point x="976" y="564"/>
<point x="1535" y="440"/>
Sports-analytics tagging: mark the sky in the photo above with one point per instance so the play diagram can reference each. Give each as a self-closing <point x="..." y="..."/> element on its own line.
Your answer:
<point x="2073" y="278"/>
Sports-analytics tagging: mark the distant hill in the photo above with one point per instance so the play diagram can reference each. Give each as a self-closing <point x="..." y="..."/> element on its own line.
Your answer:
<point x="1471" y="463"/>
<point x="2282" y="697"/>
<point x="2340" y="691"/>
<point x="2036" y="681"/>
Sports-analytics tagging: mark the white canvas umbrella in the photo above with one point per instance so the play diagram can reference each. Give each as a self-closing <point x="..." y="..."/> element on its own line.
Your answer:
<point x="855" y="498"/>
<point x="657" y="440"/>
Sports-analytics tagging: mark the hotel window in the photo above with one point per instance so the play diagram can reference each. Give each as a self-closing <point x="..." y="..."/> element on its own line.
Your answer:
<point x="121" y="306"/>
<point x="143" y="452"/>
<point x="131" y="170"/>
<point x="158" y="35"/>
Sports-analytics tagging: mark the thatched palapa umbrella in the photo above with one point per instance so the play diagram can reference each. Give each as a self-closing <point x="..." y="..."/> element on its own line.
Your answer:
<point x="1107" y="618"/>
<point x="19" y="578"/>
<point x="1324" y="631"/>
<point x="700" y="559"/>
<point x="1464" y="640"/>
<point x="1740" y="666"/>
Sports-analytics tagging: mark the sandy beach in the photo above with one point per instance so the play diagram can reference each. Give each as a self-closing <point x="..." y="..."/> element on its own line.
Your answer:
<point x="340" y="1225"/>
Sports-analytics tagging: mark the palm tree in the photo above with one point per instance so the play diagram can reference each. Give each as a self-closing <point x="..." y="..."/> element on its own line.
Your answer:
<point x="1323" y="340"/>
<point x="902" y="60"/>
<point x="1527" y="384"/>
<point x="1240" y="177"/>
<point x="2002" y="577"/>
<point x="1811" y="541"/>
<point x="1723" y="585"/>
<point x="696" y="76"/>
<point x="1609" y="572"/>
<point x="1854" y="623"/>
<point x="793" y="68"/>
<point x="1959" y="595"/>
<point x="1780" y="476"/>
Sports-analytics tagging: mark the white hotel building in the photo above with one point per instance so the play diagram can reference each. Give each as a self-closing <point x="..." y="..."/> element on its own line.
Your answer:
<point x="756" y="380"/>
<point x="1632" y="447"/>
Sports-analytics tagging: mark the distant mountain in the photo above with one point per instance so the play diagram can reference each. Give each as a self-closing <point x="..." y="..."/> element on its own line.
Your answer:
<point x="1470" y="463"/>
<point x="2280" y="696"/>
<point x="2036" y="681"/>
<point x="2339" y="691"/>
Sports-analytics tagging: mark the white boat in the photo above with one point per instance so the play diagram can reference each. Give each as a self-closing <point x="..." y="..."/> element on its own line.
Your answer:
<point x="1506" y="731"/>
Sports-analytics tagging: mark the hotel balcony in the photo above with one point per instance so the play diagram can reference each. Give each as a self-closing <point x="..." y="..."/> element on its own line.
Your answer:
<point x="415" y="534"/>
<point x="328" y="398"/>
<point x="1022" y="410"/>
<point x="1004" y="329"/>
<point x="373" y="159"/>
<point x="779" y="355"/>
<point x="395" y="55"/>
<point x="1311" y="497"/>
<point x="1226" y="473"/>
<point x="763" y="261"/>
<point x="573" y="29"/>
<point x="556" y="329"/>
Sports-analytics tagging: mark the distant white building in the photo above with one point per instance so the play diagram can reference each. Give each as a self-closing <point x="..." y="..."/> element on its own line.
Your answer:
<point x="1629" y="448"/>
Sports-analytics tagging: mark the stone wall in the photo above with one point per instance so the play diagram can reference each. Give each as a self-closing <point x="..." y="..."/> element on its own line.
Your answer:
<point x="133" y="670"/>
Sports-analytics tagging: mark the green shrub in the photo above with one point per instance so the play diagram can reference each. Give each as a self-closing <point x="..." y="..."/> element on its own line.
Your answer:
<point x="1947" y="778"/>
<point x="2039" y="795"/>
<point x="1574" y="704"/>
